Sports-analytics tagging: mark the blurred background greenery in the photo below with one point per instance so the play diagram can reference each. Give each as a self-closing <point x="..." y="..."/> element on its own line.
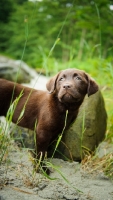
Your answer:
<point x="50" y="35"/>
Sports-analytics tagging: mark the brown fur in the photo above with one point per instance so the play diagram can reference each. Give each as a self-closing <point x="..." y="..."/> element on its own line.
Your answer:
<point x="66" y="91"/>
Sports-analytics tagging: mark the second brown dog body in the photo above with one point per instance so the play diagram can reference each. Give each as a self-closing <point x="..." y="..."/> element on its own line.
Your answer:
<point x="47" y="109"/>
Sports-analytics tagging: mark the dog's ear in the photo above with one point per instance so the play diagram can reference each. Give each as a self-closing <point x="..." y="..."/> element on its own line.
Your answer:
<point x="51" y="84"/>
<point x="92" y="86"/>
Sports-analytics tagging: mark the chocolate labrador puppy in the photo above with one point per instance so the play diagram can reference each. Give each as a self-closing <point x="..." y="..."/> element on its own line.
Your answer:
<point x="45" y="111"/>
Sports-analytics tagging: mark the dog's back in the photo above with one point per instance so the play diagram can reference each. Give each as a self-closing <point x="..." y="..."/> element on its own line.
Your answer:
<point x="28" y="102"/>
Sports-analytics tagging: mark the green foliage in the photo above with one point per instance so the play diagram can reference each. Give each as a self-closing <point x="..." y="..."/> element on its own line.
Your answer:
<point x="60" y="136"/>
<point x="6" y="9"/>
<point x="5" y="138"/>
<point x="82" y="27"/>
<point x="4" y="144"/>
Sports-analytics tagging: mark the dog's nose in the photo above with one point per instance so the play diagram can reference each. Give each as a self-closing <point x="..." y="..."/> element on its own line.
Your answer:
<point x="67" y="86"/>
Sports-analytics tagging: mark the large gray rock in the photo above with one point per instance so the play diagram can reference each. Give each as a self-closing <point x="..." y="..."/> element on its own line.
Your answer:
<point x="87" y="131"/>
<point x="15" y="70"/>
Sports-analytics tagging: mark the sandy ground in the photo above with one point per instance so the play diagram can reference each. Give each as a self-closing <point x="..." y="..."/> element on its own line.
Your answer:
<point x="18" y="181"/>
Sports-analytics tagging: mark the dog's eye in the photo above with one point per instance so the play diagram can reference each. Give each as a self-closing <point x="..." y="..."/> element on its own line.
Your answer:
<point x="78" y="78"/>
<point x="61" y="79"/>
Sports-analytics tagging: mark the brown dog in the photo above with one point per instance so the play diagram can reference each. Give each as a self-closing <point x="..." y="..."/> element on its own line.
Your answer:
<point x="66" y="91"/>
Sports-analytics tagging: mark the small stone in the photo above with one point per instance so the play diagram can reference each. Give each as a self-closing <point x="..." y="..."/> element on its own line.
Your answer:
<point x="36" y="189"/>
<point x="42" y="186"/>
<point x="71" y="197"/>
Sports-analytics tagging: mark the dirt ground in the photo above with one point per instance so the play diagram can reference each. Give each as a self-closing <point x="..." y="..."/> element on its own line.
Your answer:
<point x="18" y="181"/>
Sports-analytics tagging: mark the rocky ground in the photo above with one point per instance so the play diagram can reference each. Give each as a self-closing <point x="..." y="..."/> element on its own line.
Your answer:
<point x="70" y="182"/>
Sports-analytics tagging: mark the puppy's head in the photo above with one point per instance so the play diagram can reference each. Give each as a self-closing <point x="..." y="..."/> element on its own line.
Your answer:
<point x="71" y="85"/>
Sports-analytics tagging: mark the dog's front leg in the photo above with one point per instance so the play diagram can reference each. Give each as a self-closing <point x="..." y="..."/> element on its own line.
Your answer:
<point x="42" y="142"/>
